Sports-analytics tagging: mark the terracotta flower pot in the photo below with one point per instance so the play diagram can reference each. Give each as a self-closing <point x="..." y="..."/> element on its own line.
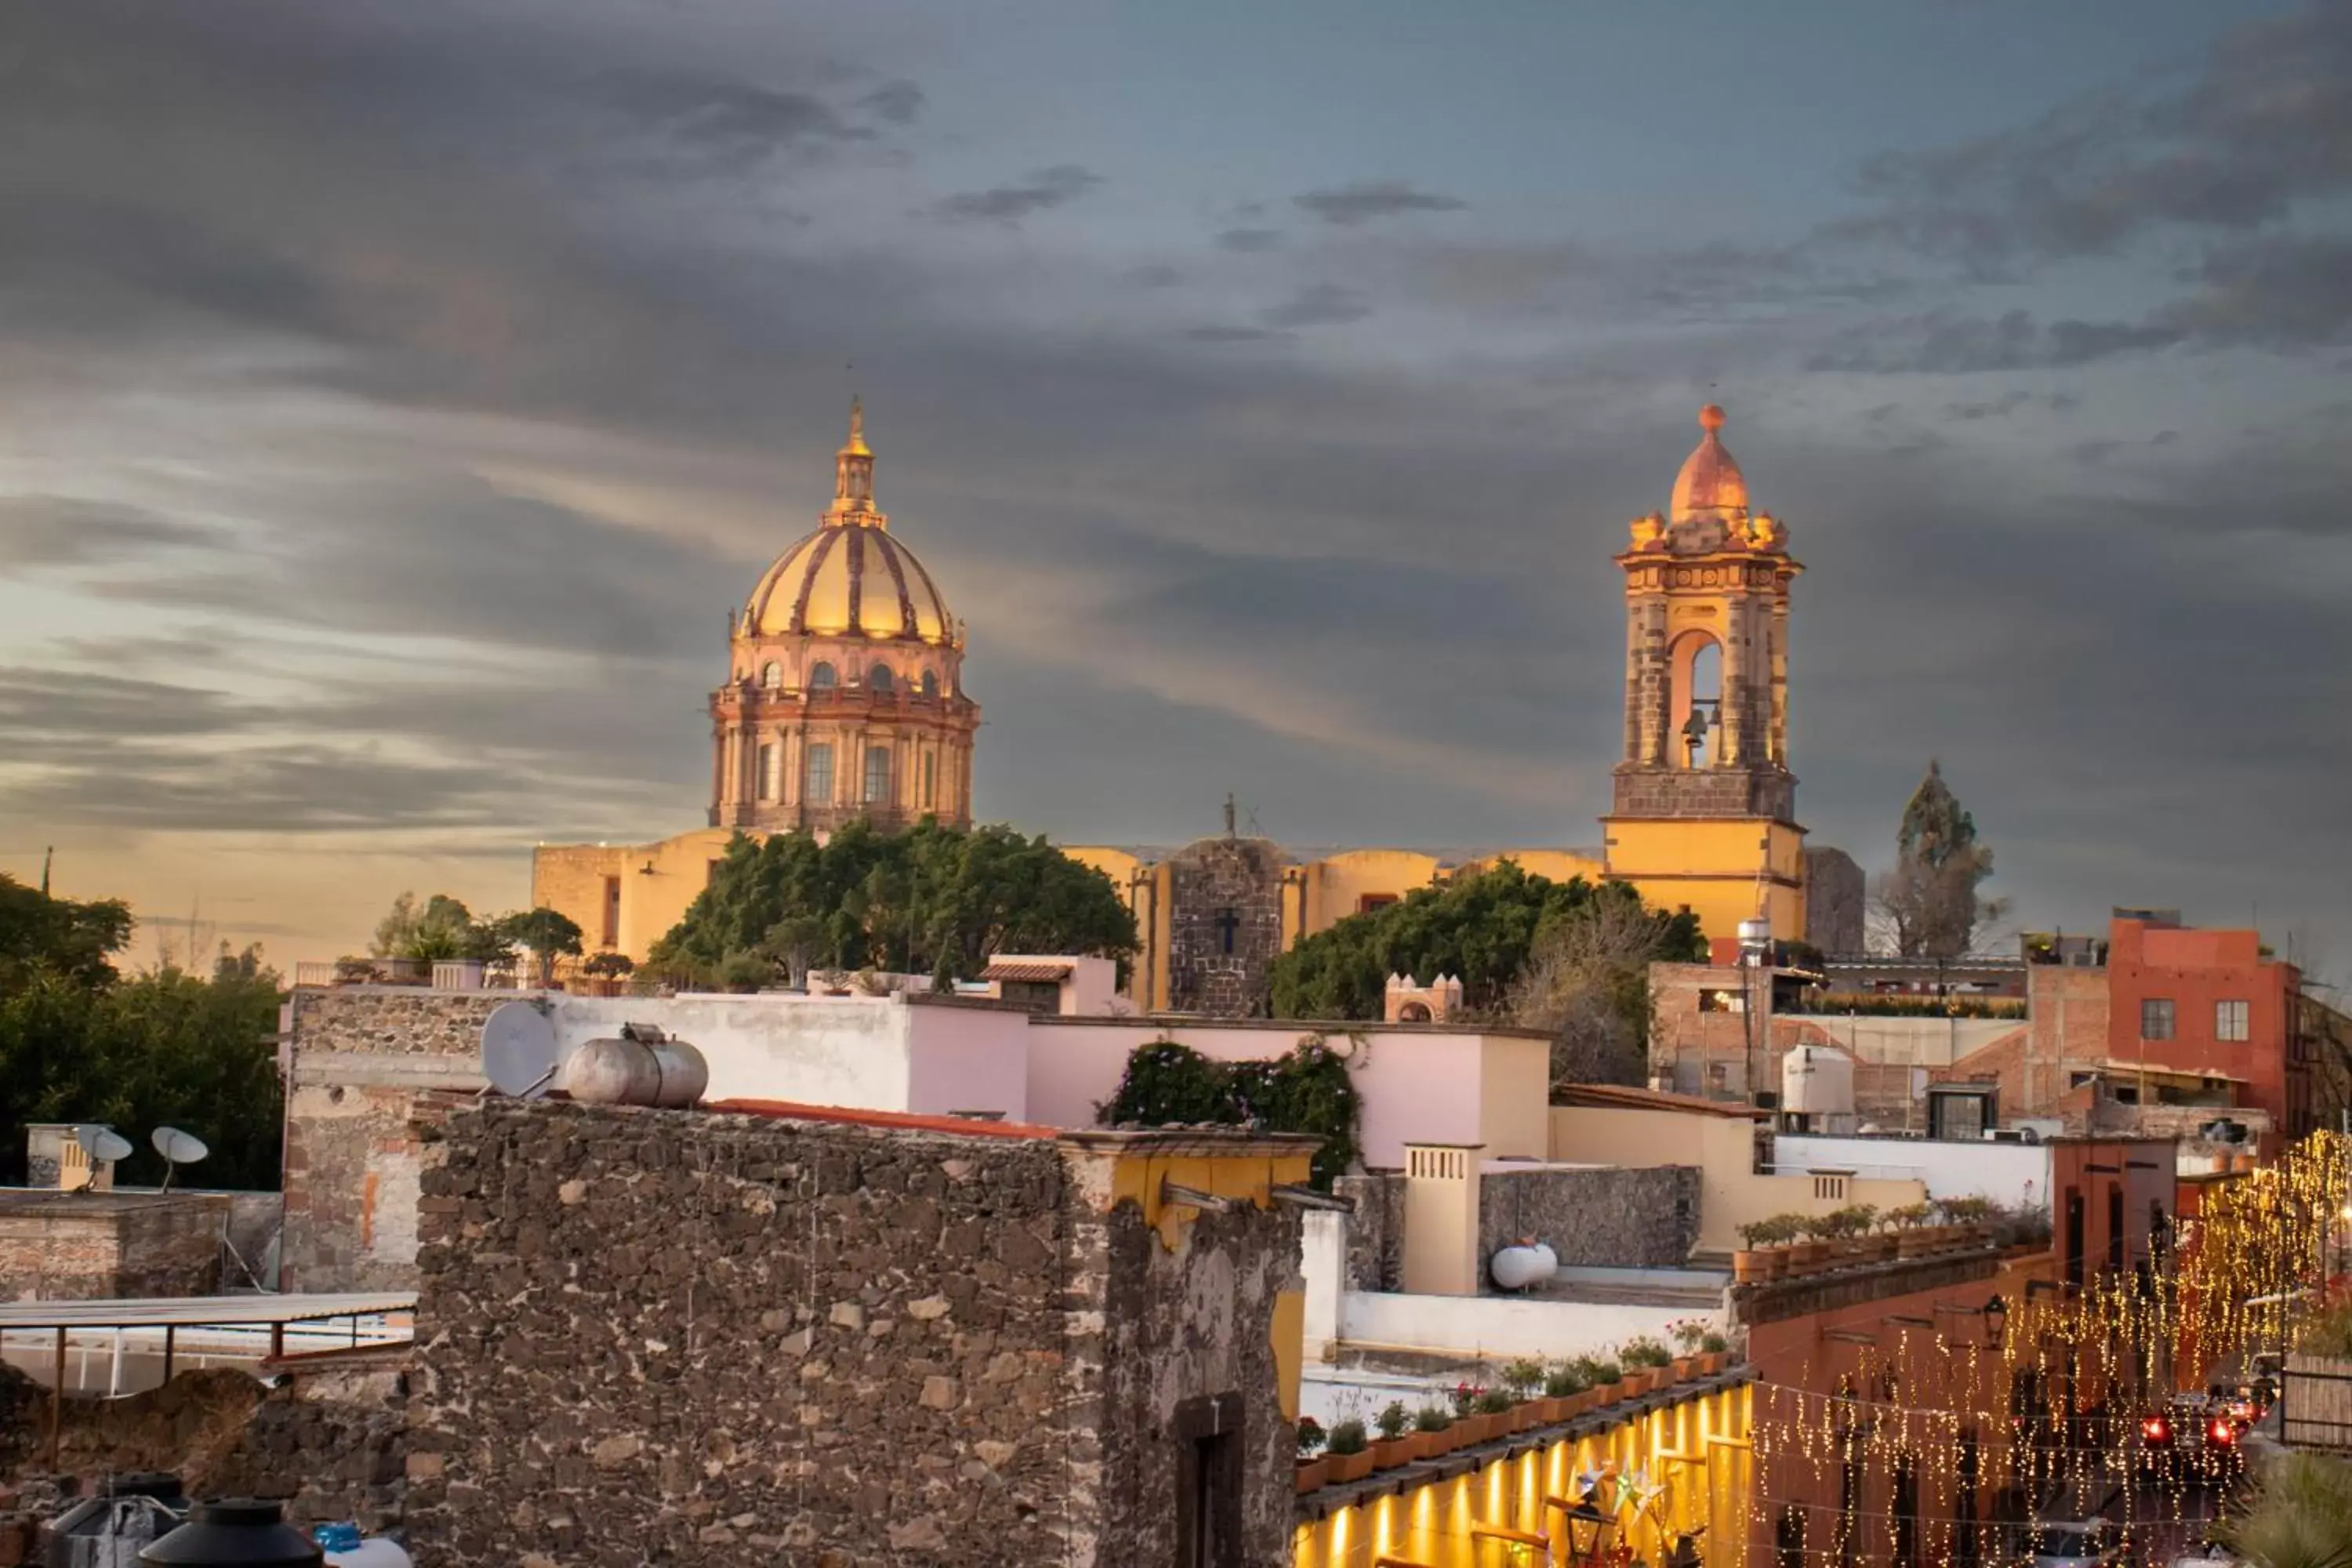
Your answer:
<point x="1685" y="1368"/>
<point x="1349" y="1466"/>
<point x="1774" y="1263"/>
<point x="1388" y="1453"/>
<point x="1583" y="1404"/>
<point x="1434" y="1443"/>
<point x="1313" y="1473"/>
<point x="1747" y="1267"/>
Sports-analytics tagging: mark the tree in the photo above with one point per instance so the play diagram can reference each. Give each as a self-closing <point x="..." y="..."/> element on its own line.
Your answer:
<point x="38" y="933"/>
<point x="1587" y="984"/>
<point x="1927" y="906"/>
<point x="1485" y="929"/>
<point x="547" y="932"/>
<point x="929" y="900"/>
<point x="443" y="928"/>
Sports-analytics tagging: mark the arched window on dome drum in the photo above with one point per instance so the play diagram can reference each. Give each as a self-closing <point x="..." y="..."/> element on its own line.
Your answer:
<point x="816" y="778"/>
<point x="879" y="678"/>
<point x="930" y="683"/>
<point x="772" y="675"/>
<point x="821" y="678"/>
<point x="877" y="774"/>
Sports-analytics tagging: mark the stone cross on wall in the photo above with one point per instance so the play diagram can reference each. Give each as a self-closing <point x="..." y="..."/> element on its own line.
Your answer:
<point x="1228" y="922"/>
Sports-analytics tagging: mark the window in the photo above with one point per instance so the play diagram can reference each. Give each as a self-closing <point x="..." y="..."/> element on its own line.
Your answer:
<point x="771" y="676"/>
<point x="879" y="678"/>
<point x="2229" y="1020"/>
<point x="770" y="771"/>
<point x="2155" y="1018"/>
<point x="877" y="774"/>
<point x="929" y="759"/>
<point x="816" y="778"/>
<point x="1371" y="901"/>
<point x="612" y="911"/>
<point x="821" y="678"/>
<point x="930" y="683"/>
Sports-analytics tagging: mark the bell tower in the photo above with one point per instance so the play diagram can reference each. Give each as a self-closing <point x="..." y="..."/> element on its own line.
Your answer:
<point x="1704" y="808"/>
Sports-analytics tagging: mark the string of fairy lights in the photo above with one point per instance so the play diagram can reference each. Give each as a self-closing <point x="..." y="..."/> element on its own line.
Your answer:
<point x="1937" y="1417"/>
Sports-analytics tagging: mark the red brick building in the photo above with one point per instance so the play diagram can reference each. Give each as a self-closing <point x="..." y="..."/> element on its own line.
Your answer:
<point x="2209" y="1002"/>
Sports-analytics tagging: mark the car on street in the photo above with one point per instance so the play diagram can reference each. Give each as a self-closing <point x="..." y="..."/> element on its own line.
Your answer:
<point x="2078" y="1544"/>
<point x="2190" y="1440"/>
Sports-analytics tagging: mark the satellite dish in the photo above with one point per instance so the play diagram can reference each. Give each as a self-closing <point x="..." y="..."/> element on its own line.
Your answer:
<point x="178" y="1149"/>
<point x="519" y="1052"/>
<point x="104" y="1146"/>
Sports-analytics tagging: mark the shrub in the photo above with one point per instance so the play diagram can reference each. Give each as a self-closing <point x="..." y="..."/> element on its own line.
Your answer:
<point x="1713" y="1344"/>
<point x="1565" y="1379"/>
<point x="1601" y="1371"/>
<point x="1392" y="1420"/>
<point x="1347" y="1438"/>
<point x="1432" y="1418"/>
<point x="1310" y="1436"/>
<point x="1307" y="1088"/>
<point x="1911" y="1216"/>
<point x="609" y="965"/>
<point x="1685" y="1333"/>
<point x="1494" y="1402"/>
<point x="1523" y="1377"/>
<point x="1466" y="1397"/>
<point x="744" y="971"/>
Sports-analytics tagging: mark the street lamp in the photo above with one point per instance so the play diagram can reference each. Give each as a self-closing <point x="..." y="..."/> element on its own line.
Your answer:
<point x="1996" y="1317"/>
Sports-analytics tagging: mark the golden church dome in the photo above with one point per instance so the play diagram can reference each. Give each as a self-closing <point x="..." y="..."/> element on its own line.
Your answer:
<point x="1710" y="484"/>
<point x="850" y="578"/>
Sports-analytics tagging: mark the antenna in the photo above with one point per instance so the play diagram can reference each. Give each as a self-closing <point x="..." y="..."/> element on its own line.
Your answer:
<point x="104" y="1146"/>
<point x="178" y="1149"/>
<point x="518" y="1050"/>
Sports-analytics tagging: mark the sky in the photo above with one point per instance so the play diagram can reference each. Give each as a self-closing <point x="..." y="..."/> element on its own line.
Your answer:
<point x="394" y="397"/>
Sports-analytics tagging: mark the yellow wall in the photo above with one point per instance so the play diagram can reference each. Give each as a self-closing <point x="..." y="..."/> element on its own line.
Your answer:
<point x="657" y="882"/>
<point x="1711" y="865"/>
<point x="1336" y="885"/>
<point x="1723" y="1149"/>
<point x="1514" y="1096"/>
<point x="1559" y="865"/>
<point x="1697" y="1448"/>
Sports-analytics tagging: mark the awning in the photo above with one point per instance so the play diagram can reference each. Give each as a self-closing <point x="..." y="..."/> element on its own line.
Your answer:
<point x="157" y="1311"/>
<point x="1027" y="971"/>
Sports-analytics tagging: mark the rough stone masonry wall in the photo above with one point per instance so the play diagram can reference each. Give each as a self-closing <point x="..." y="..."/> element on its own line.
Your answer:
<point x="1645" y="1218"/>
<point x="1375" y="1259"/>
<point x="1207" y="879"/>
<point x="669" y="1337"/>
<point x="108" y="1247"/>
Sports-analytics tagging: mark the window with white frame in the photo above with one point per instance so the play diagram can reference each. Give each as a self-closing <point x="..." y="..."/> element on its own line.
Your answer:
<point x="2229" y="1020"/>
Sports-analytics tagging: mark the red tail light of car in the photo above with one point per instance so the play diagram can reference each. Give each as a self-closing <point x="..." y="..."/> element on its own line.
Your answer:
<point x="2224" y="1434"/>
<point x="2155" y="1429"/>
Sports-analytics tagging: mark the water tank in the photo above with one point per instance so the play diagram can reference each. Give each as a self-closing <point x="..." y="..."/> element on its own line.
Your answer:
<point x="1528" y="1263"/>
<point x="1754" y="940"/>
<point x="613" y="1072"/>
<point x="1817" y="1081"/>
<point x="236" y="1533"/>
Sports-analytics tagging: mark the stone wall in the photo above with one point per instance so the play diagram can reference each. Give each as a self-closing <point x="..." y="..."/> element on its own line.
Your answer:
<point x="1645" y="1218"/>
<point x="1222" y="888"/>
<point x="1375" y="1231"/>
<point x="86" y="1247"/>
<point x="1670" y="792"/>
<point x="675" y="1336"/>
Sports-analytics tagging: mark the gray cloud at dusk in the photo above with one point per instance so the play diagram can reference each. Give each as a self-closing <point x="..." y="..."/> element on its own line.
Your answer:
<point x="381" y="450"/>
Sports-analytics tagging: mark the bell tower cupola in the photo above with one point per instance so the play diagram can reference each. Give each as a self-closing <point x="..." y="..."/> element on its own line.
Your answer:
<point x="1703" y="802"/>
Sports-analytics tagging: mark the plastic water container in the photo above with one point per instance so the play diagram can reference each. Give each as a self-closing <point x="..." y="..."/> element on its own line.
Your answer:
<point x="346" y="1548"/>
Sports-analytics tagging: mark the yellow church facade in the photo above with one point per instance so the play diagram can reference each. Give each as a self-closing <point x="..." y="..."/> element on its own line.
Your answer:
<point x="868" y="668"/>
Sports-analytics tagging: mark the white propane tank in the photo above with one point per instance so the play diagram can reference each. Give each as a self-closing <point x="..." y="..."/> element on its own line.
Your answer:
<point x="1817" y="1081"/>
<point x="684" y="1074"/>
<point x="1516" y="1267"/>
<point x="374" y="1551"/>
<point x="613" y="1072"/>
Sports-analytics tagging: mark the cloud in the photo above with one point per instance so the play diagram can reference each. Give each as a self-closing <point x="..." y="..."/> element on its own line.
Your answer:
<point x="896" y="102"/>
<point x="731" y="123"/>
<point x="1159" y="275"/>
<point x="2284" y="293"/>
<point x="1250" y="240"/>
<point x="1318" y="305"/>
<point x="2014" y="341"/>
<point x="2232" y="141"/>
<point x="1008" y="205"/>
<point x="39" y="531"/>
<point x="1230" y="334"/>
<point x="1350" y="206"/>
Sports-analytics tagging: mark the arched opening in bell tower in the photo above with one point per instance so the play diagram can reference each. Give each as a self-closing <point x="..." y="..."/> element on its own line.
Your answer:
<point x="1694" y="715"/>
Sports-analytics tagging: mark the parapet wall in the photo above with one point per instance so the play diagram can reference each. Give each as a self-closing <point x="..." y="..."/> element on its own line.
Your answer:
<point x="683" y="1337"/>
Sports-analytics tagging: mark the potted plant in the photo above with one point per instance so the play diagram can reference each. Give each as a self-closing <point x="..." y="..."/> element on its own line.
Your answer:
<point x="1398" y="1443"/>
<point x="1473" y="1427"/>
<point x="1647" y="1357"/>
<point x="1752" y="1265"/>
<point x="1870" y="1244"/>
<point x="605" y="970"/>
<point x="1911" y="1236"/>
<point x="1812" y="1250"/>
<point x="1501" y="1412"/>
<point x="1570" y="1394"/>
<point x="1717" y="1350"/>
<point x="1523" y="1378"/>
<point x="1436" y="1429"/>
<point x="1685" y="1332"/>
<point x="1313" y="1469"/>
<point x="1345" y="1453"/>
<point x="1607" y="1380"/>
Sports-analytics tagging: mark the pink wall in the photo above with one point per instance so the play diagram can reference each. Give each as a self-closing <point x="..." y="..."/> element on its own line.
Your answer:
<point x="968" y="1058"/>
<point x="1423" y="1085"/>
